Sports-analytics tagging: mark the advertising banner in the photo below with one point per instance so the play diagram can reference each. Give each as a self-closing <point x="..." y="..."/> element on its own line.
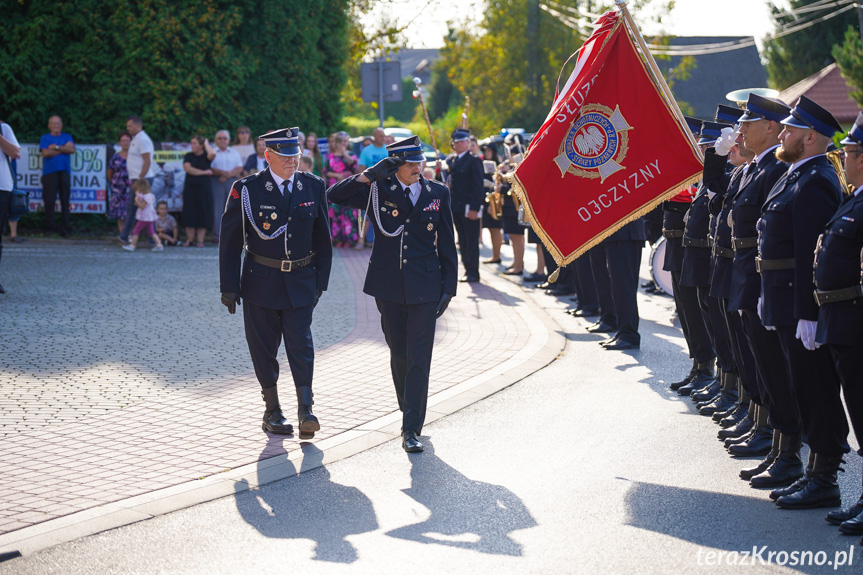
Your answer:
<point x="88" y="178"/>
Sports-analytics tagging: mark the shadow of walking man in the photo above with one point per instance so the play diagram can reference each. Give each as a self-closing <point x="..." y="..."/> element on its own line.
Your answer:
<point x="464" y="513"/>
<point x="307" y="506"/>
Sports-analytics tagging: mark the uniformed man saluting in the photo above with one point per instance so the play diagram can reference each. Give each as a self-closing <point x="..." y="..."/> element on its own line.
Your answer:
<point x="278" y="218"/>
<point x="412" y="270"/>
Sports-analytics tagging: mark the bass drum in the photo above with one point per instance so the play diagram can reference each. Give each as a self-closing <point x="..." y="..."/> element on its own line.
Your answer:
<point x="661" y="278"/>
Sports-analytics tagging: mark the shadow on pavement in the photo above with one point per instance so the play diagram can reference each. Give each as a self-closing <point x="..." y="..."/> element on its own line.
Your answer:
<point x="293" y="509"/>
<point x="733" y="523"/>
<point x="464" y="513"/>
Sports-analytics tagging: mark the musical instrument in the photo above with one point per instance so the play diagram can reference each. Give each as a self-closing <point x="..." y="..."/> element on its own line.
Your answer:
<point x="418" y="94"/>
<point x="740" y="97"/>
<point x="493" y="198"/>
<point x="660" y="277"/>
<point x="834" y="157"/>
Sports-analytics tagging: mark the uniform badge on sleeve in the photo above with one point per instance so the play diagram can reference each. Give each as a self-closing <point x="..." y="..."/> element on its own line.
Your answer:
<point x="234" y="194"/>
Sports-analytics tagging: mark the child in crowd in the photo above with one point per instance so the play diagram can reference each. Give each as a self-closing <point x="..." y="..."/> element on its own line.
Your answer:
<point x="145" y="216"/>
<point x="307" y="164"/>
<point x="166" y="225"/>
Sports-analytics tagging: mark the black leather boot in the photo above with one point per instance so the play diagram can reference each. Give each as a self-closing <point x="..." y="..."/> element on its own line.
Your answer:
<point x="739" y="429"/>
<point x="750" y="472"/>
<point x="758" y="444"/>
<point x="308" y="422"/>
<point x="732" y="383"/>
<point x="274" y="420"/>
<point x="738" y="414"/>
<point x="678" y="384"/>
<point x="799" y="484"/>
<point x="703" y="376"/>
<point x="727" y="399"/>
<point x="708" y="392"/>
<point x="838" y="517"/>
<point x="822" y="490"/>
<point x="787" y="468"/>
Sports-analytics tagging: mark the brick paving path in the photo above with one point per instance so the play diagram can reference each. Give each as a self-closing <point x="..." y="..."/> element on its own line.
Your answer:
<point x="122" y="374"/>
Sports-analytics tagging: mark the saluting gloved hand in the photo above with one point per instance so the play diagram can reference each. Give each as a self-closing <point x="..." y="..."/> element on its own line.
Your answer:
<point x="231" y="301"/>
<point x="383" y="169"/>
<point x="725" y="142"/>
<point x="806" y="333"/>
<point x="442" y="304"/>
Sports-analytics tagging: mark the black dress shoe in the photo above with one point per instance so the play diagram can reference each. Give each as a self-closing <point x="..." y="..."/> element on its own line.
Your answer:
<point x="838" y="517"/>
<point x="410" y="443"/>
<point x="822" y="490"/>
<point x="308" y="422"/>
<point x="622" y="344"/>
<point x="612" y="339"/>
<point x="740" y="413"/>
<point x="275" y="422"/>
<point x="750" y="472"/>
<point x="793" y="488"/>
<point x="1" y="289"/>
<point x="600" y="327"/>
<point x="585" y="312"/>
<point x="534" y="278"/>
<point x="741" y="428"/>
<point x="853" y="526"/>
<point x="703" y="376"/>
<point x="741" y="438"/>
<point x="707" y="393"/>
<point x="558" y="291"/>
<point x="469" y="279"/>
<point x="757" y="445"/>
<point x="692" y="373"/>
<point x="727" y="401"/>
<point x="544" y="285"/>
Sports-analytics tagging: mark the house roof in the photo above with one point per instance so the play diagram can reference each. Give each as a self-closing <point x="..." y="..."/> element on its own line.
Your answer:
<point x="829" y="89"/>
<point x="715" y="74"/>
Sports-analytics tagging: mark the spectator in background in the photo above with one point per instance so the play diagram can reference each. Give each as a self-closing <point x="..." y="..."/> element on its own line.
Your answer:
<point x="340" y="165"/>
<point x="197" y="191"/>
<point x="9" y="150"/>
<point x="367" y="141"/>
<point x="227" y="167"/>
<point x="307" y="164"/>
<point x="139" y="165"/>
<point x="257" y="161"/>
<point x="243" y="144"/>
<point x="312" y="150"/>
<point x="144" y="216"/>
<point x="56" y="147"/>
<point x="301" y="139"/>
<point x="369" y="156"/>
<point x="166" y="225"/>
<point x="118" y="179"/>
<point x="474" y="147"/>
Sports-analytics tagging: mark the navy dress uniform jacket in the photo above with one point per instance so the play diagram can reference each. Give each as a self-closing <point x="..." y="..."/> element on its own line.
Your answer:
<point x="726" y="186"/>
<point x="466" y="182"/>
<point x="793" y="216"/>
<point x="745" y="212"/>
<point x="672" y="219"/>
<point x="695" y="270"/>
<point x="838" y="266"/>
<point x="408" y="269"/>
<point x="303" y="214"/>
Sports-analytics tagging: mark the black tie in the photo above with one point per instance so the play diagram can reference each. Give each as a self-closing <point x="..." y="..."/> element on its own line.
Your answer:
<point x="408" y="197"/>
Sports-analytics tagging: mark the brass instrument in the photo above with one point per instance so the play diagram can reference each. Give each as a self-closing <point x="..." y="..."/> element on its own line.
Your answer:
<point x="740" y="97"/>
<point x="834" y="157"/>
<point x="493" y="198"/>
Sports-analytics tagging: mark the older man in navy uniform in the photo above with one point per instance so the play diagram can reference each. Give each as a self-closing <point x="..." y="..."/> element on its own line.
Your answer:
<point x="412" y="270"/>
<point x="793" y="215"/>
<point x="839" y="293"/>
<point x="278" y="218"/>
<point x="465" y="180"/>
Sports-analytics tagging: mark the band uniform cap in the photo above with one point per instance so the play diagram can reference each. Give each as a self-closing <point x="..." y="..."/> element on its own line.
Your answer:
<point x="694" y="125"/>
<point x="809" y="115"/>
<point x="855" y="134"/>
<point x="460" y="134"/>
<point x="283" y="142"/>
<point x="728" y="114"/>
<point x="409" y="149"/>
<point x="710" y="132"/>
<point x="763" y="108"/>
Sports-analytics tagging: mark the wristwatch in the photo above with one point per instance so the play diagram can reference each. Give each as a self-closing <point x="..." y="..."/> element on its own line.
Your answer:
<point x="56" y="147"/>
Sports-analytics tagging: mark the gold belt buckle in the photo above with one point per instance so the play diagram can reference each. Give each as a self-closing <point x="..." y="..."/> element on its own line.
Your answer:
<point x="286" y="265"/>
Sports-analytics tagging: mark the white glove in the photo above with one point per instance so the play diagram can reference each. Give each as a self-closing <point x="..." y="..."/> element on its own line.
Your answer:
<point x="761" y="315"/>
<point x="806" y="333"/>
<point x="726" y="141"/>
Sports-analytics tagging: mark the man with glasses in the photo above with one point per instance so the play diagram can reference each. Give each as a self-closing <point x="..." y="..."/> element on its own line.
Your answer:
<point x="277" y="218"/>
<point x="226" y="167"/>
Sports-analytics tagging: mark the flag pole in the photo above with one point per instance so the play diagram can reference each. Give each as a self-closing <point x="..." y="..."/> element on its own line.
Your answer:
<point x="621" y="5"/>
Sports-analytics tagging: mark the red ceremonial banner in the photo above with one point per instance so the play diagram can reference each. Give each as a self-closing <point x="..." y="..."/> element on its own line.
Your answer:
<point x="611" y="149"/>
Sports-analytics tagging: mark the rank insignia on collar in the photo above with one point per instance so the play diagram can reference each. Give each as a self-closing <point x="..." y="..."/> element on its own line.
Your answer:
<point x="266" y="225"/>
<point x="269" y="186"/>
<point x="428" y="188"/>
<point x="273" y="216"/>
<point x="299" y="185"/>
<point x="393" y="188"/>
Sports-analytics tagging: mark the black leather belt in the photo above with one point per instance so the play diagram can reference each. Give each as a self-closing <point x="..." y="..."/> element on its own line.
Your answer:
<point x="695" y="243"/>
<point x="774" y="265"/>
<point x="723" y="252"/>
<point x="671" y="234"/>
<point x="741" y="243"/>
<point x="284" y="265"/>
<point x="835" y="295"/>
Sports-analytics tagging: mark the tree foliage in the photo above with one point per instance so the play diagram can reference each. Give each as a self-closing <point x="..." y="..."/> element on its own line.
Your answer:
<point x="849" y="57"/>
<point x="186" y="67"/>
<point x="801" y="54"/>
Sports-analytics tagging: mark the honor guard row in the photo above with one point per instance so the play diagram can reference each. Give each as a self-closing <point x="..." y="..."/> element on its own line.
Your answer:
<point x="783" y="330"/>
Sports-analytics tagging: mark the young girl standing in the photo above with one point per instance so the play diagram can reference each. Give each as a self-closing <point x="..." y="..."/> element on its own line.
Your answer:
<point x="145" y="216"/>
